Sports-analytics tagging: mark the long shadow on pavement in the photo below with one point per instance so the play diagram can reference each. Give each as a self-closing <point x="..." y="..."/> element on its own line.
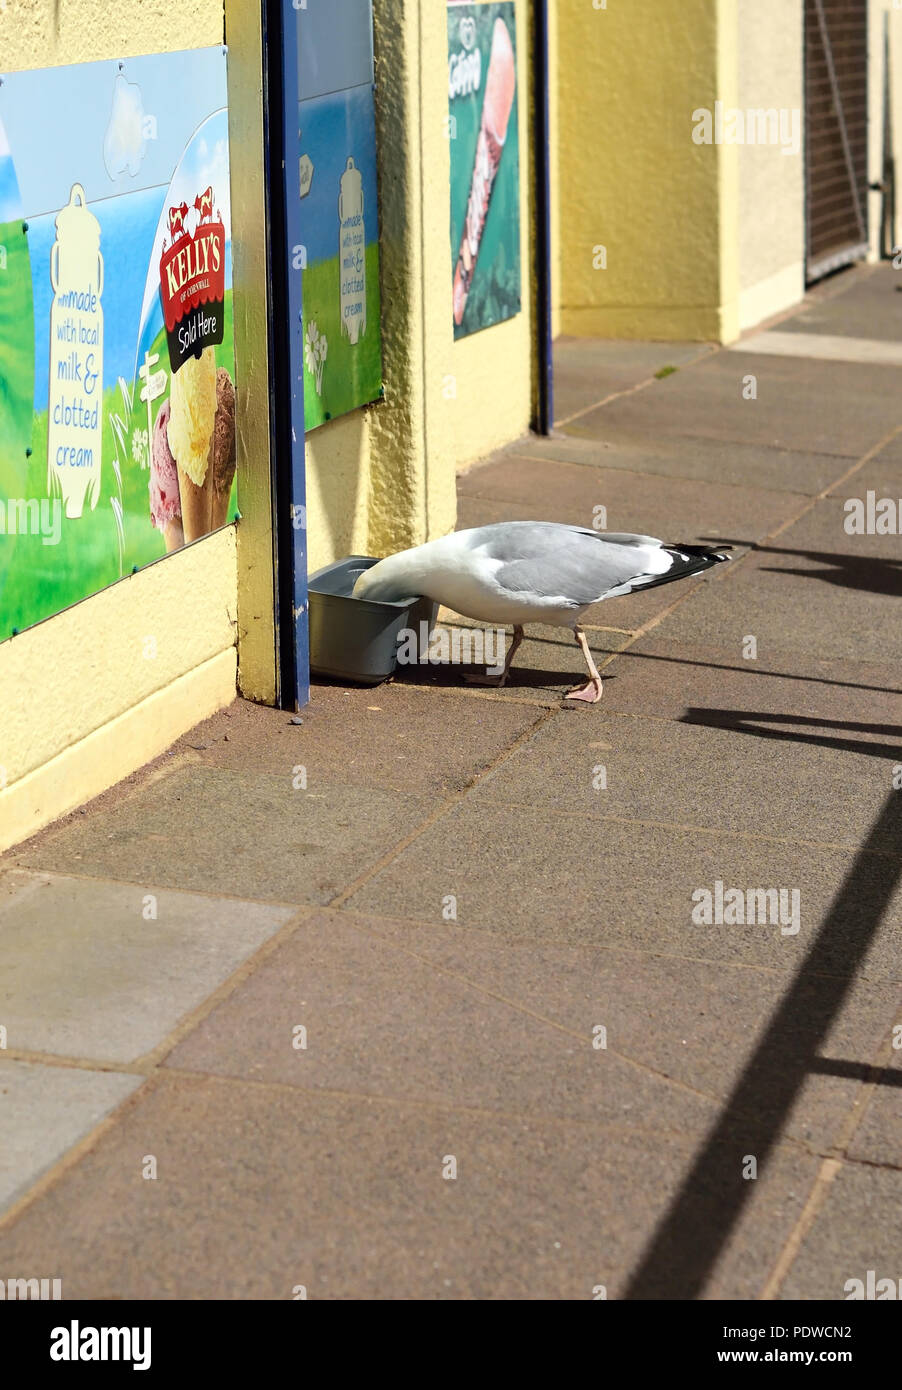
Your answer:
<point x="866" y="573"/>
<point x="748" y="670"/>
<point x="755" y="722"/>
<point x="688" y="1242"/>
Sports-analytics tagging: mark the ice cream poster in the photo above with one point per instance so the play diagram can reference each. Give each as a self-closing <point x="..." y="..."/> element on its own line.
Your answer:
<point x="117" y="374"/>
<point x="336" y="181"/>
<point x="485" y="164"/>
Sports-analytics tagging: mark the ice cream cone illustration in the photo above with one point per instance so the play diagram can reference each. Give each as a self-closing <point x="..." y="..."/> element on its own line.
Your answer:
<point x="165" y="499"/>
<point x="500" y="88"/>
<point x="190" y="431"/>
<point x="174" y="535"/>
<point x="197" y="506"/>
<point x="222" y="449"/>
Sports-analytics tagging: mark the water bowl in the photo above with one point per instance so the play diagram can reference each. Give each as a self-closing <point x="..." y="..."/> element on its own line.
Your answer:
<point x="356" y="639"/>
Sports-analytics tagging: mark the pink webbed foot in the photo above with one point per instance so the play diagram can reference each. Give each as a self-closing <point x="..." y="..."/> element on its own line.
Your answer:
<point x="590" y="693"/>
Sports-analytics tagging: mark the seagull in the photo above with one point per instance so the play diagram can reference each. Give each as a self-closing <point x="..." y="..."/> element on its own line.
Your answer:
<point x="522" y="572"/>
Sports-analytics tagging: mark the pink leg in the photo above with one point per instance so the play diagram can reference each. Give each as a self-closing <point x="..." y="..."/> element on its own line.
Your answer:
<point x="592" y="692"/>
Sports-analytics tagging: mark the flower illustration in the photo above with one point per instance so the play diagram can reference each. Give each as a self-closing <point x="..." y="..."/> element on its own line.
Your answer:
<point x="139" y="447"/>
<point x="315" y="353"/>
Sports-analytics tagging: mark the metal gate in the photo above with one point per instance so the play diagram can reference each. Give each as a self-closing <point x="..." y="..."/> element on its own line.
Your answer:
<point x="836" y="142"/>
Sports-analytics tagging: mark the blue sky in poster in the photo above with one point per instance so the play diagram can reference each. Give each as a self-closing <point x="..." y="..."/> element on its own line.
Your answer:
<point x="131" y="231"/>
<point x="64" y="110"/>
<point x="127" y="227"/>
<point x="332" y="129"/>
<point x="335" y="46"/>
<point x="10" y="202"/>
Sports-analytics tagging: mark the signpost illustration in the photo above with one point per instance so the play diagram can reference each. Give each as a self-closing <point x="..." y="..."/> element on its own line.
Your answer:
<point x="153" y="386"/>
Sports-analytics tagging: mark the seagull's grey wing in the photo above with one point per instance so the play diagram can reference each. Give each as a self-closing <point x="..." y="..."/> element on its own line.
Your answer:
<point x="517" y="540"/>
<point x="565" y="562"/>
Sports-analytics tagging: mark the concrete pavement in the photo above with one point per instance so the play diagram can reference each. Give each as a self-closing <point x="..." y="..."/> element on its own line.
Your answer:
<point x="408" y="1000"/>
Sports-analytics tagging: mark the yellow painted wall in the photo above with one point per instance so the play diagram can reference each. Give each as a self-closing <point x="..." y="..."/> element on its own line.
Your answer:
<point x="91" y="694"/>
<point x="256" y="629"/>
<point x="771" y="183"/>
<point x="554" y="149"/>
<point x="631" y="179"/>
<point x="95" y="692"/>
<point x="384" y="478"/>
<point x="884" y="23"/>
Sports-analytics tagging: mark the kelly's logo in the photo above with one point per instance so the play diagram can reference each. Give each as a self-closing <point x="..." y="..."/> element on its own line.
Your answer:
<point x="192" y="278"/>
<point x="201" y="257"/>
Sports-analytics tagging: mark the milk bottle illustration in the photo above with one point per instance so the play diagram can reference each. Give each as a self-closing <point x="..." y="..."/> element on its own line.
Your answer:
<point x="352" y="253"/>
<point x="75" y="426"/>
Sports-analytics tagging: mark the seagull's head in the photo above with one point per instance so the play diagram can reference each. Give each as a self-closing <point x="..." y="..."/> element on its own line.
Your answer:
<point x="385" y="582"/>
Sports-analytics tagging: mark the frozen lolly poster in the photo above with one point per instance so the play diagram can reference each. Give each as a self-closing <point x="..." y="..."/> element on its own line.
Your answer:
<point x="117" y="374"/>
<point x="485" y="164"/>
<point x="336" y="164"/>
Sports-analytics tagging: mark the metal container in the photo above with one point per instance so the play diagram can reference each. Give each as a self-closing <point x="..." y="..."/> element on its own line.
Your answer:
<point x="356" y="639"/>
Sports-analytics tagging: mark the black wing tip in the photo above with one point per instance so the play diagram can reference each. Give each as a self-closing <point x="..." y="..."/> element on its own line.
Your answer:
<point x="703" y="552"/>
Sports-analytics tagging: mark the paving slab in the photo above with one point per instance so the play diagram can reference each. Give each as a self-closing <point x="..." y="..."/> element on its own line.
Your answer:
<point x="346" y="1198"/>
<point x="527" y="873"/>
<point x="377" y="736"/>
<point x="242" y="834"/>
<point x="825" y="702"/>
<point x="825" y="347"/>
<point x="859" y="1228"/>
<point x="802" y="404"/>
<point x="815" y="590"/>
<point x="730" y="777"/>
<point x="44" y="1111"/>
<point x="674" y="509"/>
<point x="878" y="1138"/>
<point x="867" y="307"/>
<point x="107" y="970"/>
<point x="689" y="456"/>
<point x="586" y="370"/>
<point x="693" y="1021"/>
<point x="881" y="475"/>
<point x="381" y="1021"/>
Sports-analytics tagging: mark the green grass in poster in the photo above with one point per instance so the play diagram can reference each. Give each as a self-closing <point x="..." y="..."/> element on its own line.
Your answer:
<point x="42" y="579"/>
<point x="16" y="371"/>
<point x="352" y="375"/>
<point x="16" y="336"/>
